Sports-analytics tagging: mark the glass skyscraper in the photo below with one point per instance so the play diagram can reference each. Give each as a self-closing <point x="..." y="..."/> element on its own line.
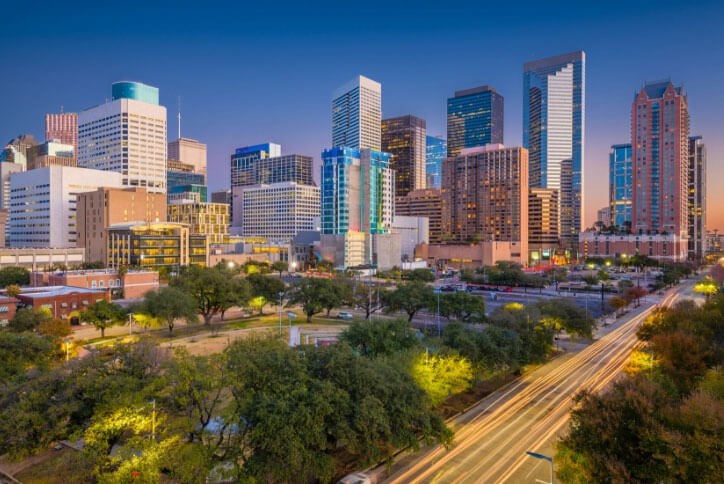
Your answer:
<point x="474" y="118"/>
<point x="554" y="93"/>
<point x="620" y="185"/>
<point x="436" y="150"/>
<point x="404" y="138"/>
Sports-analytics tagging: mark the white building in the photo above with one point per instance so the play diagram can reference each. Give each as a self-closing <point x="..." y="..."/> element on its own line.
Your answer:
<point x="126" y="136"/>
<point x="357" y="114"/>
<point x="277" y="211"/>
<point x="7" y="168"/>
<point x="188" y="151"/>
<point x="43" y="204"/>
<point x="413" y="231"/>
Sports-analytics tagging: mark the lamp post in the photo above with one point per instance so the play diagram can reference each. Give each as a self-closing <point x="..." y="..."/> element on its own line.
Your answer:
<point x="543" y="457"/>
<point x="130" y="322"/>
<point x="67" y="349"/>
<point x="280" y="294"/>
<point x="437" y="292"/>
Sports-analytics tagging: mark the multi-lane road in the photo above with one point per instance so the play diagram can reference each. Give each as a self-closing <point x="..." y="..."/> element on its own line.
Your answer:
<point x="491" y="439"/>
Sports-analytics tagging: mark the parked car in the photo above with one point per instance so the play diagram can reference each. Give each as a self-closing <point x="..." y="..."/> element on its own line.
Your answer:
<point x="356" y="478"/>
<point x="345" y="316"/>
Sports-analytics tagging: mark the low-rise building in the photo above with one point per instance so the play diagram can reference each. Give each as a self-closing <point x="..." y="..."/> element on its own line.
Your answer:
<point x="208" y="219"/>
<point x="63" y="302"/>
<point x="413" y="231"/>
<point x="664" y="247"/>
<point x="8" y="307"/>
<point x="155" y="246"/>
<point x="124" y="284"/>
<point x="461" y="256"/>
<point x="38" y="259"/>
<point x="426" y="202"/>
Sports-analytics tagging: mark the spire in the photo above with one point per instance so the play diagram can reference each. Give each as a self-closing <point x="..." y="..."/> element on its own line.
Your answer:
<point x="179" y="117"/>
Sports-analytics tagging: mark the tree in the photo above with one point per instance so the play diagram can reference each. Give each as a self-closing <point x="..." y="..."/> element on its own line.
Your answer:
<point x="506" y="273"/>
<point x="28" y="319"/>
<point x="707" y="286"/>
<point x="19" y="276"/>
<point x="365" y="296"/>
<point x="423" y="275"/>
<point x="169" y="304"/>
<point x="20" y="352"/>
<point x="264" y="289"/>
<point x="591" y="279"/>
<point x="280" y="266"/>
<point x="569" y="316"/>
<point x="617" y="303"/>
<point x="384" y="337"/>
<point x="212" y="289"/>
<point x="634" y="293"/>
<point x="309" y="293"/>
<point x="102" y="314"/>
<point x="55" y="328"/>
<point x="409" y="297"/>
<point x="12" y="290"/>
<point x="442" y="375"/>
<point x="462" y="306"/>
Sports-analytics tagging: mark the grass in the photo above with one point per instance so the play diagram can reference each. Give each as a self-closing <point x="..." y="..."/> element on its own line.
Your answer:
<point x="59" y="467"/>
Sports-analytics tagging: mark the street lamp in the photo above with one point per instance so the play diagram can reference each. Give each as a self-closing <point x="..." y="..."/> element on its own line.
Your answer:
<point x="543" y="457"/>
<point x="67" y="348"/>
<point x="437" y="292"/>
<point x="294" y="266"/>
<point x="280" y="294"/>
<point x="130" y="322"/>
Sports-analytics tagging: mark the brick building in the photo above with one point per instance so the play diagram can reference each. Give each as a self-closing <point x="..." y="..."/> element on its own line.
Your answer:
<point x="128" y="285"/>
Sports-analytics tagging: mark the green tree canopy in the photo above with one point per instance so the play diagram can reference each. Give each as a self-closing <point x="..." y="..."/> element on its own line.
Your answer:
<point x="265" y="289"/>
<point x="169" y="304"/>
<point x="423" y="275"/>
<point x="28" y="319"/>
<point x="211" y="287"/>
<point x="461" y="306"/>
<point x="312" y="294"/>
<point x="103" y="314"/>
<point x="574" y="320"/>
<point x="19" y="276"/>
<point x="410" y="297"/>
<point x="280" y="266"/>
<point x="383" y="337"/>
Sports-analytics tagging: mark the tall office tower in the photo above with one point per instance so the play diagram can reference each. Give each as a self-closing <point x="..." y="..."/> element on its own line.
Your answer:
<point x="254" y="165"/>
<point x="542" y="224"/>
<point x="51" y="153"/>
<point x="660" y="139"/>
<point x="126" y="135"/>
<point x="436" y="150"/>
<point x="423" y="203"/>
<point x="554" y="99"/>
<point x="697" y="197"/>
<point x="357" y="114"/>
<point x="474" y="118"/>
<point x="16" y="151"/>
<point x="43" y="204"/>
<point x="62" y="127"/>
<point x="404" y="137"/>
<point x="97" y="210"/>
<point x="485" y="195"/>
<point x="188" y="151"/>
<point x="620" y="185"/>
<point x="183" y="183"/>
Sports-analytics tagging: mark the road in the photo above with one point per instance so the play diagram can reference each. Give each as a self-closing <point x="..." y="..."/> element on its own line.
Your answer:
<point x="491" y="439"/>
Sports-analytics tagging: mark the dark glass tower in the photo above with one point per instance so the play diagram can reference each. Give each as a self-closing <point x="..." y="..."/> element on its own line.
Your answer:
<point x="474" y="118"/>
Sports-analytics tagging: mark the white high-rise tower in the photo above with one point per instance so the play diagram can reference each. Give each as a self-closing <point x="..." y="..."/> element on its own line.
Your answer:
<point x="357" y="115"/>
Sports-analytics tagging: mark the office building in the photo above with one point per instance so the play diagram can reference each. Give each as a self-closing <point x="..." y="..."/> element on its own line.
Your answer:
<point x="404" y="137"/>
<point x="485" y="196"/>
<point x="264" y="164"/>
<point x="128" y="284"/>
<point x="714" y="242"/>
<point x="660" y="158"/>
<point x="221" y="196"/>
<point x="474" y="118"/>
<point x="554" y="98"/>
<point x="7" y="168"/>
<point x="436" y="151"/>
<point x="41" y="259"/>
<point x="208" y="219"/>
<point x="155" y="246"/>
<point x="620" y="186"/>
<point x="50" y="153"/>
<point x="187" y="193"/>
<point x="663" y="247"/>
<point x="190" y="152"/>
<point x="126" y="135"/>
<point x="542" y="225"/>
<point x="278" y="211"/>
<point x="99" y="209"/>
<point x="697" y="198"/>
<point x="16" y="151"/>
<point x="43" y="204"/>
<point x="413" y="232"/>
<point x="357" y="115"/>
<point x="62" y="127"/>
<point x="423" y="203"/>
<point x="603" y="216"/>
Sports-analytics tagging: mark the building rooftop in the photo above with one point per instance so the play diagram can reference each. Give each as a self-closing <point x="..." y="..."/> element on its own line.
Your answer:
<point x="657" y="89"/>
<point x="54" y="291"/>
<point x="474" y="90"/>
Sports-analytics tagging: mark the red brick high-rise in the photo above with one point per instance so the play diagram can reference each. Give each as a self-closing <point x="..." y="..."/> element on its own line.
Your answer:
<point x="64" y="128"/>
<point x="660" y="147"/>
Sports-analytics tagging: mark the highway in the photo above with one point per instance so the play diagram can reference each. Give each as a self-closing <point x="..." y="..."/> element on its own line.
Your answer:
<point x="527" y="415"/>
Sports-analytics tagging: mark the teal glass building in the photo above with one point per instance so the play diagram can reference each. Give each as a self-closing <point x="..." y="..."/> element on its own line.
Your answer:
<point x="620" y="185"/>
<point x="435" y="152"/>
<point x="474" y="118"/>
<point x="134" y="90"/>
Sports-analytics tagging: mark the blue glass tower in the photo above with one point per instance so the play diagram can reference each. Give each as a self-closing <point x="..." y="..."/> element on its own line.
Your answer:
<point x="134" y="90"/>
<point x="474" y="118"/>
<point x="620" y="185"/>
<point x="553" y="132"/>
<point x="436" y="150"/>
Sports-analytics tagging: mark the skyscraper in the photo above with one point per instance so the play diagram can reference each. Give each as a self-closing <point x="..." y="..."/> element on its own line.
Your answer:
<point x="126" y="135"/>
<point x="357" y="114"/>
<point x="188" y="151"/>
<point x="660" y="157"/>
<point x="697" y="197"/>
<point x="474" y="118"/>
<point x="436" y="151"/>
<point x="62" y="127"/>
<point x="554" y="94"/>
<point x="404" y="138"/>
<point x="620" y="185"/>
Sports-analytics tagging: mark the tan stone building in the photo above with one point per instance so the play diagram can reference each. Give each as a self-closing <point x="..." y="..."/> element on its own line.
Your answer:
<point x="423" y="203"/>
<point x="485" y="196"/>
<point x="108" y="206"/>
<point x="542" y="224"/>
<point x="209" y="219"/>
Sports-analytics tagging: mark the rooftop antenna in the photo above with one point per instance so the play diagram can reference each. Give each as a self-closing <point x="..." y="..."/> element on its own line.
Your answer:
<point x="179" y="117"/>
<point x="61" y="110"/>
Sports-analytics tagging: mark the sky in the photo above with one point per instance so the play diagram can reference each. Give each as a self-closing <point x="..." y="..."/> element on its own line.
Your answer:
<point x="251" y="72"/>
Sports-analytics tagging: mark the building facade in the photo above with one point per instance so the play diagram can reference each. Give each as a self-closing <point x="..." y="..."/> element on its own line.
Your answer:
<point x="51" y="153"/>
<point x="97" y="210"/>
<point x="660" y="139"/>
<point x="664" y="247"/>
<point x="554" y="97"/>
<point x="127" y="136"/>
<point x="189" y="151"/>
<point x="155" y="246"/>
<point x="7" y="168"/>
<point x="404" y="137"/>
<point x="208" y="219"/>
<point x="423" y="203"/>
<point x="16" y="151"/>
<point x="278" y="211"/>
<point x="357" y="115"/>
<point x="474" y="118"/>
<point x="41" y="259"/>
<point x="62" y="301"/>
<point x="436" y="151"/>
<point x="43" y="204"/>
<point x="62" y="127"/>
<point x="126" y="284"/>
<point x="697" y="198"/>
<point x="603" y="216"/>
<point x="542" y="224"/>
<point x="620" y="191"/>
<point x="485" y="196"/>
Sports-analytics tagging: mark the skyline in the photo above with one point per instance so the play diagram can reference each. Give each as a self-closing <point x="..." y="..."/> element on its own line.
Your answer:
<point x="275" y="82"/>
